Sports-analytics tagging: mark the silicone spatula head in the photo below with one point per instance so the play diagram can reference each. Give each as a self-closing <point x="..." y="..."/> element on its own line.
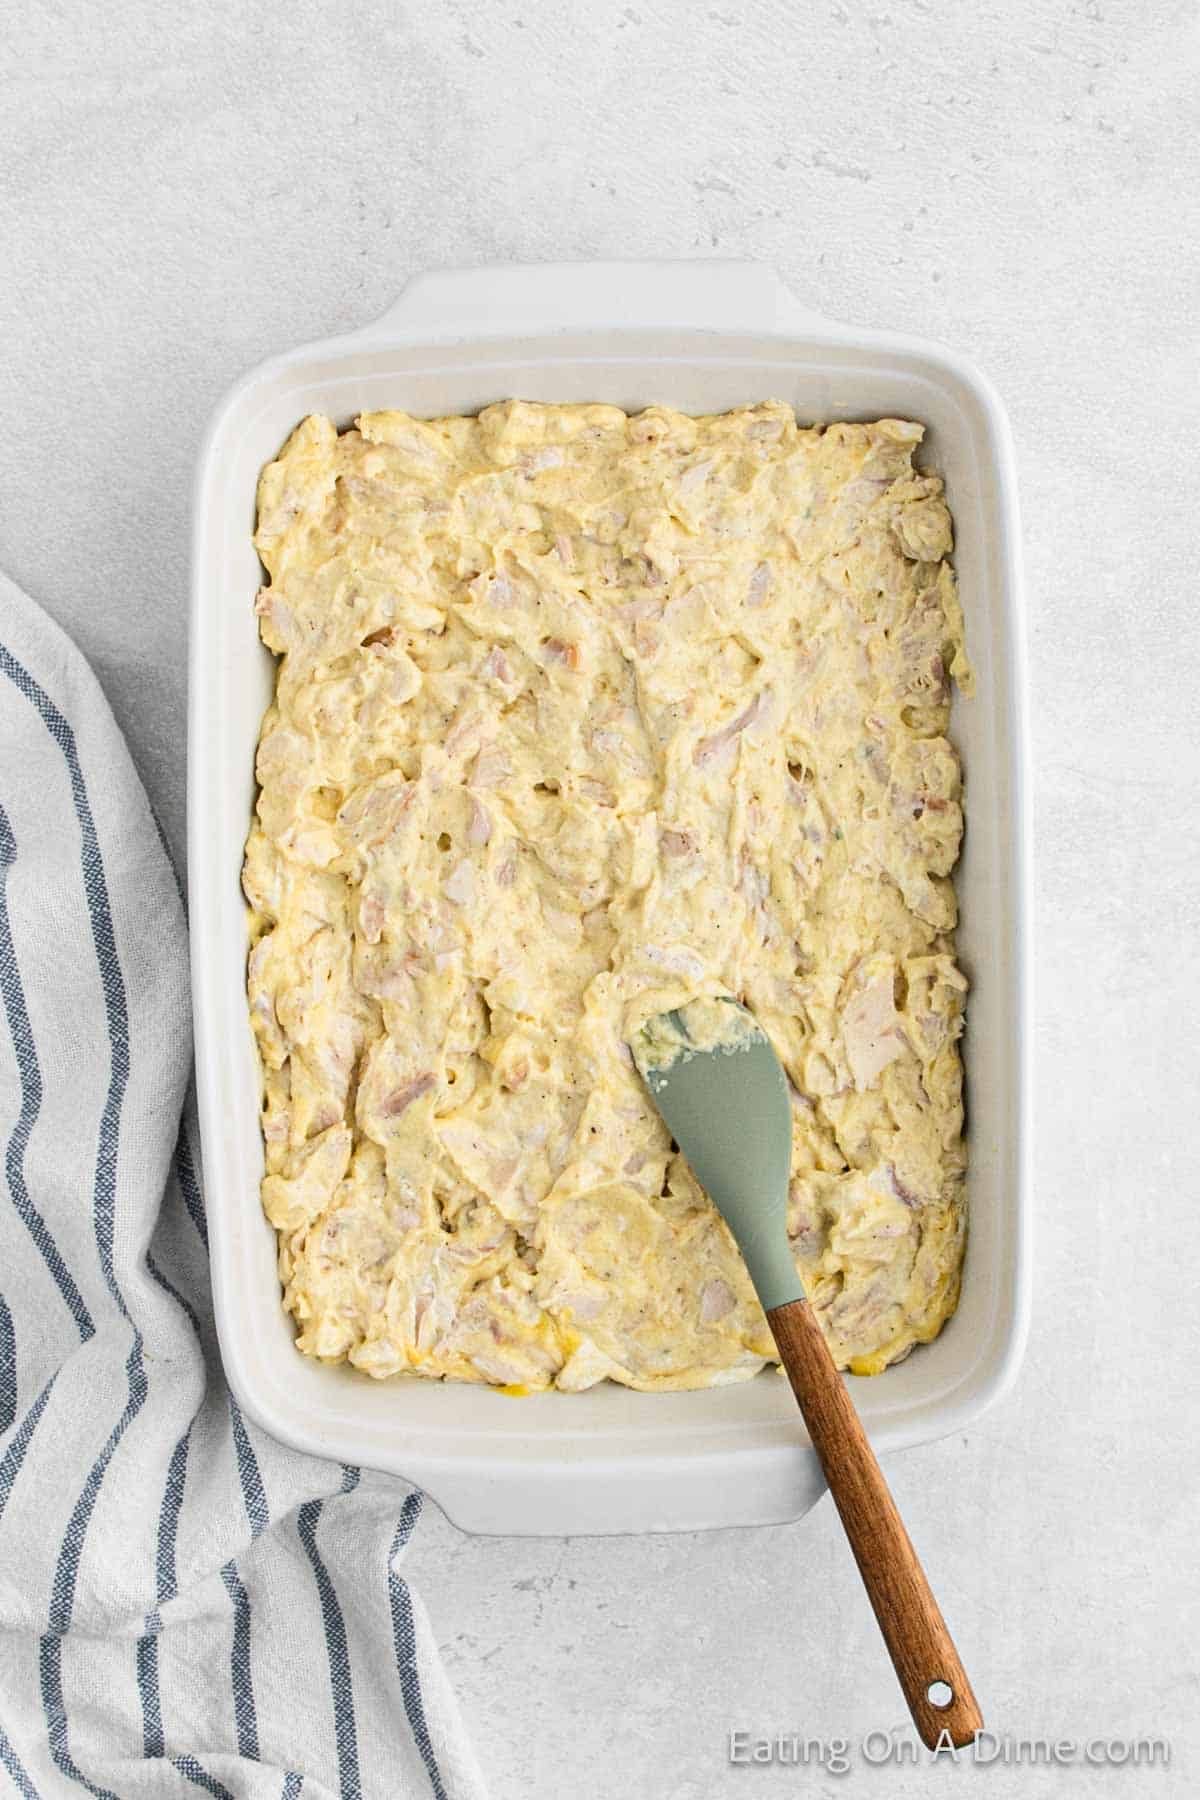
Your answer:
<point x="723" y="1096"/>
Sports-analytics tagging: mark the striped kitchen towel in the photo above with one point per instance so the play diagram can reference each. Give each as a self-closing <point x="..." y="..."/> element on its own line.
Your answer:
<point x="183" y="1604"/>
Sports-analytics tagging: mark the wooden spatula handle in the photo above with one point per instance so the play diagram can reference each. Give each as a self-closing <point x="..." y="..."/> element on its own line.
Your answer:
<point x="918" y="1642"/>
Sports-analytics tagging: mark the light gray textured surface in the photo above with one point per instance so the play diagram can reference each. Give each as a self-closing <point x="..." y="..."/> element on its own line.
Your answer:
<point x="185" y="190"/>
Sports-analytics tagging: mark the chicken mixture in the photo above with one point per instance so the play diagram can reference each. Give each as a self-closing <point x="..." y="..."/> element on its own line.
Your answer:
<point x="581" y="716"/>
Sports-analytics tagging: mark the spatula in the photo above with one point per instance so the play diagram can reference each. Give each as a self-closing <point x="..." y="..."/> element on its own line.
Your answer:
<point x="721" y="1091"/>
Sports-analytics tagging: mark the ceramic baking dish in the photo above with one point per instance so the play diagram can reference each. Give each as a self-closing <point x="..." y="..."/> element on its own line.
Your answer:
<point x="701" y="336"/>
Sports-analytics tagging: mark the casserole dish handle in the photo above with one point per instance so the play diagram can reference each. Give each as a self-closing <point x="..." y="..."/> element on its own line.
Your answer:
<point x="617" y="1495"/>
<point x="506" y="297"/>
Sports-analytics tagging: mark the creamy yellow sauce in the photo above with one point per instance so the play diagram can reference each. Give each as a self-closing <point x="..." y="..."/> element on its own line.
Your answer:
<point x="697" y="1029"/>
<point x="581" y="717"/>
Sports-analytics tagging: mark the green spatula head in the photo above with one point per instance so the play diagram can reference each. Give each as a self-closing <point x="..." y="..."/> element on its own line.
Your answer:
<point x="723" y="1096"/>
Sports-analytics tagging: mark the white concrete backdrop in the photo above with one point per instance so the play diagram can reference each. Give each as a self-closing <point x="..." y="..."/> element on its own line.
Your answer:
<point x="187" y="187"/>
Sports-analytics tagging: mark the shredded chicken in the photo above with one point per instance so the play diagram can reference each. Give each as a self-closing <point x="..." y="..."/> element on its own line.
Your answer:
<point x="579" y="718"/>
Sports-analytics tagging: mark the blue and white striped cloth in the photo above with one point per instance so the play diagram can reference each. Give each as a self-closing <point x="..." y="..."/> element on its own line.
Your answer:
<point x="183" y="1604"/>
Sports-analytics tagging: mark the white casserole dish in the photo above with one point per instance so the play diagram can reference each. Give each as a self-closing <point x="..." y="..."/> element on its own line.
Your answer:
<point x="701" y="336"/>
